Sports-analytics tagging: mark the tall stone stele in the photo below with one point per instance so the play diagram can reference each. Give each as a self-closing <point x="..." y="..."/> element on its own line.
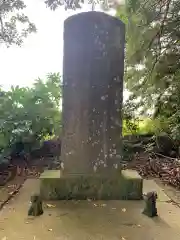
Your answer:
<point x="92" y="102"/>
<point x="93" y="91"/>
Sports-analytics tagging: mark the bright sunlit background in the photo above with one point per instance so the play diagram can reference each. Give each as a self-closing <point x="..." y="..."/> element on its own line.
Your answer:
<point x="42" y="52"/>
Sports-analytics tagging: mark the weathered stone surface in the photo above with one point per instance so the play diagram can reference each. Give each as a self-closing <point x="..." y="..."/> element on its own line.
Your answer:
<point x="92" y="91"/>
<point x="99" y="185"/>
<point x="80" y="186"/>
<point x="92" y="102"/>
<point x="150" y="209"/>
<point x="132" y="185"/>
<point x="36" y="206"/>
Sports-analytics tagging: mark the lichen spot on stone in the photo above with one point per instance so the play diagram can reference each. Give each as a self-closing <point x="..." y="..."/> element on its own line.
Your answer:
<point x="103" y="98"/>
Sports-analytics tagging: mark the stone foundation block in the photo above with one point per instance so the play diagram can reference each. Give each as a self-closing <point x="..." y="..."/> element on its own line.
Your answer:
<point x="131" y="185"/>
<point x="55" y="185"/>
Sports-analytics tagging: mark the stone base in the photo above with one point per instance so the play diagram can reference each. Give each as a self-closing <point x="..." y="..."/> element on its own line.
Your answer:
<point x="131" y="185"/>
<point x="55" y="185"/>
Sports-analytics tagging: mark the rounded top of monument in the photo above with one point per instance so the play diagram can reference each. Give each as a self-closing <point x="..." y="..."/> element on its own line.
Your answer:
<point x="94" y="16"/>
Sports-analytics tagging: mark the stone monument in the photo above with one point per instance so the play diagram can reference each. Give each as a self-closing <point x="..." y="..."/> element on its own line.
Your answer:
<point x="92" y="101"/>
<point x="93" y="90"/>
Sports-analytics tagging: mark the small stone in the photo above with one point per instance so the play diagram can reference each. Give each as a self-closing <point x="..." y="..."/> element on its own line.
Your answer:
<point x="50" y="205"/>
<point x="36" y="206"/>
<point x="150" y="209"/>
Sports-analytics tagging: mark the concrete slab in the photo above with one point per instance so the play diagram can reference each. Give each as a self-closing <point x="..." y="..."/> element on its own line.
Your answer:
<point x="88" y="220"/>
<point x="151" y="185"/>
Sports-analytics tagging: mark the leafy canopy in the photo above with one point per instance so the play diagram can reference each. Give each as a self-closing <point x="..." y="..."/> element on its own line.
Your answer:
<point x="153" y="57"/>
<point x="15" y="25"/>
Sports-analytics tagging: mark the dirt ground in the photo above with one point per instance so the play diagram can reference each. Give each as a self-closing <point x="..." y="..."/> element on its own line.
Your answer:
<point x="89" y="220"/>
<point x="10" y="189"/>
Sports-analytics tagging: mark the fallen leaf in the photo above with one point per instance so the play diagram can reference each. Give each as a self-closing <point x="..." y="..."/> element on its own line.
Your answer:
<point x="50" y="205"/>
<point x="139" y="225"/>
<point x="103" y="205"/>
<point x="50" y="229"/>
<point x="4" y="238"/>
<point x="122" y="238"/>
<point x="123" y="209"/>
<point x="62" y="214"/>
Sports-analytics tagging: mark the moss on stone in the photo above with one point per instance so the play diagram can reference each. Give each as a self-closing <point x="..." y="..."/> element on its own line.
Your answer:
<point x="58" y="186"/>
<point x="36" y="206"/>
<point x="131" y="185"/>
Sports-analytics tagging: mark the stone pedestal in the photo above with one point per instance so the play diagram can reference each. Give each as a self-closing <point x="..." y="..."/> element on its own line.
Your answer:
<point x="127" y="185"/>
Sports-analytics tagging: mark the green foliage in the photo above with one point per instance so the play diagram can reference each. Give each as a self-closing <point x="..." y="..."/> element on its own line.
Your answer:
<point x="153" y="58"/>
<point x="146" y="126"/>
<point x="14" y="25"/>
<point x="130" y="121"/>
<point x="77" y="4"/>
<point x="30" y="114"/>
